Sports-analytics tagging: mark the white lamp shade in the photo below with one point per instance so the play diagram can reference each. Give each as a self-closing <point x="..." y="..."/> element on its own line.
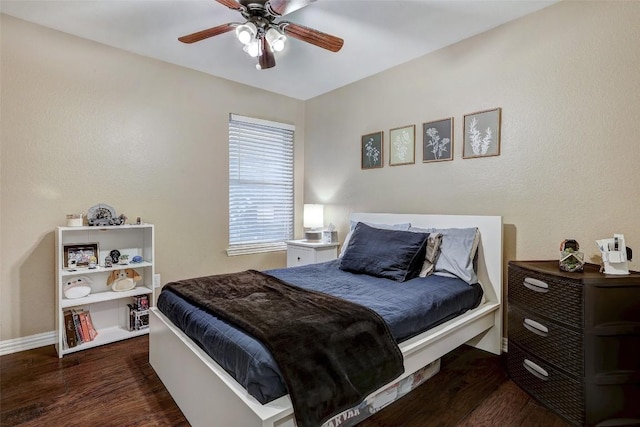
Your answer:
<point x="276" y="39"/>
<point x="246" y="32"/>
<point x="252" y="48"/>
<point x="313" y="216"/>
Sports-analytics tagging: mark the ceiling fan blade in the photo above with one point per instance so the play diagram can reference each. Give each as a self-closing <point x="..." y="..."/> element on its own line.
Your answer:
<point x="315" y="37"/>
<point x="267" y="59"/>
<point x="231" y="4"/>
<point x="283" y="7"/>
<point x="205" y="34"/>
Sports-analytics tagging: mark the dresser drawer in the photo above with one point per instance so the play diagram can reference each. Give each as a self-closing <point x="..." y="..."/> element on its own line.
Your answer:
<point x="552" y="388"/>
<point x="548" y="341"/>
<point x="544" y="294"/>
<point x="618" y="307"/>
<point x="615" y="359"/>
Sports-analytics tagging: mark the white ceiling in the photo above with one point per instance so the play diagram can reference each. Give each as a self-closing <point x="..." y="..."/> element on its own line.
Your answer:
<point x="378" y="34"/>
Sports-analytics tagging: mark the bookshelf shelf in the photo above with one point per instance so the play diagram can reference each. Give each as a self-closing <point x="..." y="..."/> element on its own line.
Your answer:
<point x="107" y="295"/>
<point x="106" y="336"/>
<point x="108" y="309"/>
<point x="102" y="269"/>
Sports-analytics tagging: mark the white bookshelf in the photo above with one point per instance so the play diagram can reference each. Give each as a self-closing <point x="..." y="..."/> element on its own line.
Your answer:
<point x="109" y="309"/>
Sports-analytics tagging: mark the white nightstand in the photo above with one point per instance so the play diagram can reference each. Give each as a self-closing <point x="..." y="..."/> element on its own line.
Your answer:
<point x="303" y="252"/>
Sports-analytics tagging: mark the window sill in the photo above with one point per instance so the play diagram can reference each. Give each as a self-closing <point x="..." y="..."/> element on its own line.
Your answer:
<point x="256" y="248"/>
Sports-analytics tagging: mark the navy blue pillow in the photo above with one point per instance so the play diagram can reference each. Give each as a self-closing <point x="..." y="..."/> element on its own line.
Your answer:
<point x="392" y="254"/>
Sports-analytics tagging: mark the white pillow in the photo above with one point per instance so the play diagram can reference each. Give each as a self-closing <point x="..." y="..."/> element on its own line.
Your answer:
<point x="352" y="226"/>
<point x="457" y="253"/>
<point x="434" y="241"/>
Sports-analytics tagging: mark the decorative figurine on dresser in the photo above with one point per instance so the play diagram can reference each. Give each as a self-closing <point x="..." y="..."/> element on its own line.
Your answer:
<point x="571" y="259"/>
<point x="574" y="341"/>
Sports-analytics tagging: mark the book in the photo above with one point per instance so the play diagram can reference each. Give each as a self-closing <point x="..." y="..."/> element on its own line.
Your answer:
<point x="92" y="330"/>
<point x="70" y="329"/>
<point x="78" y="327"/>
<point x="86" y="336"/>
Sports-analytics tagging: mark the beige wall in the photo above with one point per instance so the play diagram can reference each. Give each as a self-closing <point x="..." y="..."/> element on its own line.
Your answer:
<point x="83" y="123"/>
<point x="568" y="81"/>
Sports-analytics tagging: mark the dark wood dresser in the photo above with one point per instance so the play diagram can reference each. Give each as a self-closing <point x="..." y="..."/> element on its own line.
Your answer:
<point x="574" y="341"/>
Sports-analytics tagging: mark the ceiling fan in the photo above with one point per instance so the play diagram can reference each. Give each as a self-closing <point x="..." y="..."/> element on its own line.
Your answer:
<point x="261" y="35"/>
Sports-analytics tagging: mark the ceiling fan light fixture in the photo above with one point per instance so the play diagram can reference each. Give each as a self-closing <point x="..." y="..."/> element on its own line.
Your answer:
<point x="253" y="48"/>
<point x="276" y="39"/>
<point x="262" y="34"/>
<point x="246" y="32"/>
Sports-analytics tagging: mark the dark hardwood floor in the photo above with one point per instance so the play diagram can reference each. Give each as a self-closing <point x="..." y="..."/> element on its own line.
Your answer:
<point x="114" y="385"/>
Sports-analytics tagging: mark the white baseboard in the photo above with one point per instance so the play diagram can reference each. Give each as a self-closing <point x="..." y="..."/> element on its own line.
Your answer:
<point x="505" y="345"/>
<point x="27" y="343"/>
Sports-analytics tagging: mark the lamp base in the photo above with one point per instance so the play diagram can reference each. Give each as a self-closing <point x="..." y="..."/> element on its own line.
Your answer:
<point x="313" y="236"/>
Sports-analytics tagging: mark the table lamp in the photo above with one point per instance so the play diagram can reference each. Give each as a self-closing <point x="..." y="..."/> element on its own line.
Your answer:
<point x="313" y="222"/>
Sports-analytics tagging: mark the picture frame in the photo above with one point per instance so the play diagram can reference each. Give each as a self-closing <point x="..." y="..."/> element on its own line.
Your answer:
<point x="402" y="145"/>
<point x="372" y="154"/>
<point x="78" y="255"/>
<point x="481" y="134"/>
<point x="437" y="140"/>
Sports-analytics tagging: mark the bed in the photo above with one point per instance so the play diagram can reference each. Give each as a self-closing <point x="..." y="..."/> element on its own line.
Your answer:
<point x="208" y="394"/>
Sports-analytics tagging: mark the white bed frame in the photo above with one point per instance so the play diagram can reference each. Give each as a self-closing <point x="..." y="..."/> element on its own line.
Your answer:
<point x="209" y="396"/>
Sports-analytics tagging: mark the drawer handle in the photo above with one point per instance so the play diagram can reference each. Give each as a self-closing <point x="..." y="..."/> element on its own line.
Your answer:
<point x="535" y="370"/>
<point x="535" y="327"/>
<point x="536" y="285"/>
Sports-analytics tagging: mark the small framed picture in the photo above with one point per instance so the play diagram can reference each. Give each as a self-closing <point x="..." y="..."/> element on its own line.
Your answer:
<point x="482" y="134"/>
<point x="372" y="151"/>
<point x="437" y="140"/>
<point x="402" y="145"/>
<point x="79" y="255"/>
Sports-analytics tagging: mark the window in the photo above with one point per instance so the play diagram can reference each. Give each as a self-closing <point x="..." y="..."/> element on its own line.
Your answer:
<point x="260" y="185"/>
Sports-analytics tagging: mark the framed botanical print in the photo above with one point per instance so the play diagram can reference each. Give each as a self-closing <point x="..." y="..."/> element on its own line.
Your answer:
<point x="372" y="150"/>
<point x="402" y="145"/>
<point x="482" y="134"/>
<point x="437" y="140"/>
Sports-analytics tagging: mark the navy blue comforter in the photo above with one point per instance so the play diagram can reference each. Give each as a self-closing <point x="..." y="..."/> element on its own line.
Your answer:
<point x="409" y="308"/>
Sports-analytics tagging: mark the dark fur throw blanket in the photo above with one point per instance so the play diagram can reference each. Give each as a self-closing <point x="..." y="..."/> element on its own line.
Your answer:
<point x="332" y="353"/>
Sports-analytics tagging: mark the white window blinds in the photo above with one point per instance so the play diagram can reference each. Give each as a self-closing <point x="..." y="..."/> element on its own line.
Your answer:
<point x="260" y="185"/>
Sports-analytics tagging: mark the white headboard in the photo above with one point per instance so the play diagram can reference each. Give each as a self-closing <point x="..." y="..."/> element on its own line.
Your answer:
<point x="489" y="249"/>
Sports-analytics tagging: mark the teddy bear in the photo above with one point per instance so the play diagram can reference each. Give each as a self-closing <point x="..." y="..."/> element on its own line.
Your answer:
<point x="123" y="280"/>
